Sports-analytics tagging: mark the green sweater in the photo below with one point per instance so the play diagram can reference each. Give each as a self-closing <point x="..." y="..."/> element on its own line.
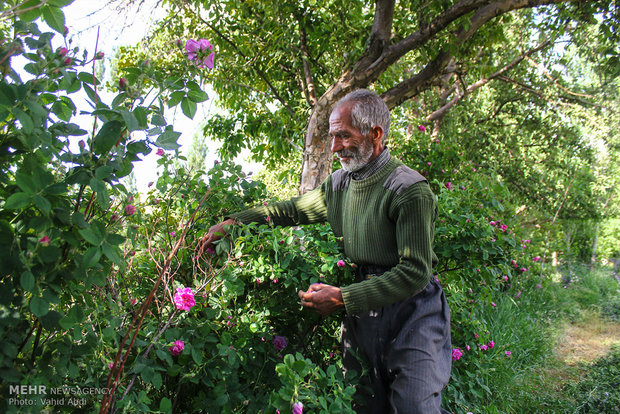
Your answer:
<point x="386" y="220"/>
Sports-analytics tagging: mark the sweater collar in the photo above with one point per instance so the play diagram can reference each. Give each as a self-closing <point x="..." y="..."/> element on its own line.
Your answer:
<point x="373" y="166"/>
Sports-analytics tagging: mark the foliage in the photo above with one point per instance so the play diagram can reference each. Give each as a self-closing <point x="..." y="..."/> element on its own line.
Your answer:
<point x="598" y="392"/>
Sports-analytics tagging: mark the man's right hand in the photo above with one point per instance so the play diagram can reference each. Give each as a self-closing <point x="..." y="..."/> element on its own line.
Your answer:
<point x="215" y="233"/>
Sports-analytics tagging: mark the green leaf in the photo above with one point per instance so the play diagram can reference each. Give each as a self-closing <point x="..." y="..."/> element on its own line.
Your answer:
<point x="91" y="235"/>
<point x="158" y="120"/>
<point x="39" y="307"/>
<point x="24" y="119"/>
<point x="115" y="239"/>
<point x="130" y="120"/>
<point x="77" y="219"/>
<point x="165" y="405"/>
<point x="103" y="197"/>
<point x="189" y="107"/>
<point x="17" y="201"/>
<point x="168" y="140"/>
<point x="112" y="253"/>
<point x="66" y="322"/>
<point x="91" y="257"/>
<point x="156" y="380"/>
<point x="54" y="17"/>
<point x="27" y="280"/>
<point x="62" y="110"/>
<point x="44" y="205"/>
<point x="197" y="96"/>
<point x="140" y="114"/>
<point x="60" y="3"/>
<point x="196" y="356"/>
<point x="103" y="172"/>
<point x="90" y="92"/>
<point x="175" y="98"/>
<point x="88" y="78"/>
<point x="31" y="10"/>
<point x="107" y="137"/>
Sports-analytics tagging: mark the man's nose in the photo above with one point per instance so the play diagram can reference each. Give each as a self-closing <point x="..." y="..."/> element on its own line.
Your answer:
<point x="337" y="145"/>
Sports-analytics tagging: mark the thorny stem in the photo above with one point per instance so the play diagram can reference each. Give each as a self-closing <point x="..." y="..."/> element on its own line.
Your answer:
<point x="115" y="372"/>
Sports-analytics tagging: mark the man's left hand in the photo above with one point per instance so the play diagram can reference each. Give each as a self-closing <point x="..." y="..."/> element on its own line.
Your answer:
<point x="325" y="299"/>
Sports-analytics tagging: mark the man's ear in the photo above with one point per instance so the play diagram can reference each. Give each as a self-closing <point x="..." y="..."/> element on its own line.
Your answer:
<point x="376" y="135"/>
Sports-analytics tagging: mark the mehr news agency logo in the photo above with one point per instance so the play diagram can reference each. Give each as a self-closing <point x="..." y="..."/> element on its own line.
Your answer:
<point x="35" y="395"/>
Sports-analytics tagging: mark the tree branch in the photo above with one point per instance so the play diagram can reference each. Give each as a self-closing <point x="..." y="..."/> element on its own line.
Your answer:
<point x="524" y="86"/>
<point x="497" y="111"/>
<point x="555" y="81"/>
<point x="440" y="113"/>
<point x="411" y="87"/>
<point x="309" y="90"/>
<point x="364" y="74"/>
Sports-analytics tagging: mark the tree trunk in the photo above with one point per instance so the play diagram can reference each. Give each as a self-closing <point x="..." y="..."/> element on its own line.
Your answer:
<point x="594" y="246"/>
<point x="318" y="158"/>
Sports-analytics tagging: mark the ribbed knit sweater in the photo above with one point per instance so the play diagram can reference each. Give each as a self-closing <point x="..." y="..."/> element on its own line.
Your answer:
<point x="386" y="220"/>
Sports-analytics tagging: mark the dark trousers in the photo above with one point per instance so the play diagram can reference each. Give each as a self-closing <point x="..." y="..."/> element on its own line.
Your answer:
<point x="403" y="351"/>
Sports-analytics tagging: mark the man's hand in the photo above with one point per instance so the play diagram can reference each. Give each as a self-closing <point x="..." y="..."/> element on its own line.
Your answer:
<point x="215" y="233"/>
<point x="325" y="299"/>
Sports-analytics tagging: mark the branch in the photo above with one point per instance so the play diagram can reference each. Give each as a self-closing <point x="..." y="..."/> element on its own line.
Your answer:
<point x="439" y="113"/>
<point x="555" y="81"/>
<point x="413" y="86"/>
<point x="309" y="90"/>
<point x="497" y="111"/>
<point x="524" y="86"/>
<point x="16" y="11"/>
<point x="364" y="74"/>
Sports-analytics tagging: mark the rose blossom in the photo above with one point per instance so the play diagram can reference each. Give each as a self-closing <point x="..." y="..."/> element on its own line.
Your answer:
<point x="184" y="299"/>
<point x="298" y="408"/>
<point x="279" y="342"/>
<point x="177" y="348"/>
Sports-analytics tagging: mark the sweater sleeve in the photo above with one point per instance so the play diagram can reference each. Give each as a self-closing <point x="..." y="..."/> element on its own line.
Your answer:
<point x="414" y="212"/>
<point x="306" y="209"/>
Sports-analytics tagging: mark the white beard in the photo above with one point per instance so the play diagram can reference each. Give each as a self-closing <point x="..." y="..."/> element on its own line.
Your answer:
<point x="359" y="156"/>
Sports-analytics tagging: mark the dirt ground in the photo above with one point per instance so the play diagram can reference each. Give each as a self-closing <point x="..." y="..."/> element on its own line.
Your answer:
<point x="586" y="341"/>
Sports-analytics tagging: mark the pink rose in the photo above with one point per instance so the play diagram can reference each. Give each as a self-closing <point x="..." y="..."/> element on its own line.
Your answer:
<point x="421" y="128"/>
<point x="184" y="299"/>
<point x="130" y="210"/>
<point x="341" y="263"/>
<point x="298" y="408"/>
<point x="177" y="348"/>
<point x="160" y="152"/>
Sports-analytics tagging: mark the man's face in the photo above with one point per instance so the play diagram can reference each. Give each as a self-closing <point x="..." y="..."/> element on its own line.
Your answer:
<point x="353" y="149"/>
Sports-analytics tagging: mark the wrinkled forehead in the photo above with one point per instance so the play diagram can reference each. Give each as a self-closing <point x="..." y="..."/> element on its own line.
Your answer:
<point x="340" y="117"/>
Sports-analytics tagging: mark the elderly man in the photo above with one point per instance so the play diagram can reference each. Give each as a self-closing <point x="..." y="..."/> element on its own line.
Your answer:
<point x="397" y="325"/>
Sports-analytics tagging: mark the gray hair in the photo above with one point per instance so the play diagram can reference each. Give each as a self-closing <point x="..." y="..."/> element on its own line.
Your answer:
<point x="367" y="111"/>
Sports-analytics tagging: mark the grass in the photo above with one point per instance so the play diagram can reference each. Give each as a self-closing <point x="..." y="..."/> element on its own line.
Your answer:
<point x="565" y="345"/>
<point x="583" y="337"/>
